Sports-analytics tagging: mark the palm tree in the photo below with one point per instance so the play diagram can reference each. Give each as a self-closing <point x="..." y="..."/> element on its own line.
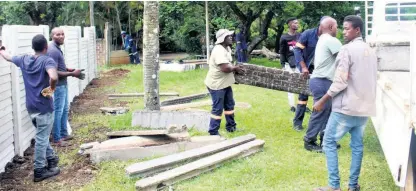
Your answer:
<point x="151" y="55"/>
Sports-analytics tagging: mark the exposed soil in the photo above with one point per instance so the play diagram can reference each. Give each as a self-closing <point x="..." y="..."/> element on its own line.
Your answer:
<point x="19" y="173"/>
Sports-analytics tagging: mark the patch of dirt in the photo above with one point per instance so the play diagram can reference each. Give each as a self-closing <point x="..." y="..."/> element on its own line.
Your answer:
<point x="19" y="176"/>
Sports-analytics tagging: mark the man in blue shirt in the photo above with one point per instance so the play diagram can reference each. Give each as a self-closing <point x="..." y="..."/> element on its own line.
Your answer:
<point x="130" y="47"/>
<point x="304" y="56"/>
<point x="61" y="105"/>
<point x="40" y="78"/>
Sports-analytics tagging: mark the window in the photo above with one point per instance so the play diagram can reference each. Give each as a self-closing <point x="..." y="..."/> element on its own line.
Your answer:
<point x="400" y="11"/>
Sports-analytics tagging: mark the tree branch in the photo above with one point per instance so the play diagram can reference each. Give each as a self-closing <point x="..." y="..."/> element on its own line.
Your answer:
<point x="237" y="10"/>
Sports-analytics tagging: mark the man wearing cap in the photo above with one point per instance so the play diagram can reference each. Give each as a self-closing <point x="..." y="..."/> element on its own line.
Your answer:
<point x="219" y="79"/>
<point x="304" y="56"/>
<point x="130" y="47"/>
<point x="287" y="57"/>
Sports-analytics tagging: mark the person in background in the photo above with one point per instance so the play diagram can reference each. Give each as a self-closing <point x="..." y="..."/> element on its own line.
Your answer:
<point x="326" y="52"/>
<point x="61" y="105"/>
<point x="353" y="95"/>
<point x="241" y="49"/>
<point x="287" y="57"/>
<point x="219" y="79"/>
<point x="40" y="78"/>
<point x="130" y="47"/>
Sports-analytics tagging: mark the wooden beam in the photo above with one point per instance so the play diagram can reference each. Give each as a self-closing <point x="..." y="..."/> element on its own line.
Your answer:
<point x="198" y="167"/>
<point x="147" y="168"/>
<point x="132" y="95"/>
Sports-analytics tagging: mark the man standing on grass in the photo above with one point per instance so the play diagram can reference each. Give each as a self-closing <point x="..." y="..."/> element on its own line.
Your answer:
<point x="61" y="105"/>
<point x="326" y="52"/>
<point x="287" y="57"/>
<point x="304" y="55"/>
<point x="219" y="79"/>
<point x="40" y="79"/>
<point x="353" y="94"/>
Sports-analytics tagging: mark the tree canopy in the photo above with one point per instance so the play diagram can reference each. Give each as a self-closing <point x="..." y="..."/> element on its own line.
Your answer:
<point x="182" y="23"/>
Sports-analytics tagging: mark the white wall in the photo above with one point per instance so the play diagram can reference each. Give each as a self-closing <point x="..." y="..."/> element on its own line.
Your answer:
<point x="16" y="129"/>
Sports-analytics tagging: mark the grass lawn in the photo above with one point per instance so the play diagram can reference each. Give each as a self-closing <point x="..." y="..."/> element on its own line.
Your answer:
<point x="284" y="165"/>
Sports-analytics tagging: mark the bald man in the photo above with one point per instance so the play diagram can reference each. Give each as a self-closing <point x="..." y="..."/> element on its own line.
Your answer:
<point x="326" y="52"/>
<point x="60" y="132"/>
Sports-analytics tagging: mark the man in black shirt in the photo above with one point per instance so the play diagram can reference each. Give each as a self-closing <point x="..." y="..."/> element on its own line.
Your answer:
<point x="287" y="56"/>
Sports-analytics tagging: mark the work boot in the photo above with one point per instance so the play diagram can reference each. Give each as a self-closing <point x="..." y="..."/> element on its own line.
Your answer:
<point x="67" y="138"/>
<point x="43" y="173"/>
<point x="298" y="128"/>
<point x="312" y="146"/>
<point x="62" y="143"/>
<point x="357" y="188"/>
<point x="53" y="162"/>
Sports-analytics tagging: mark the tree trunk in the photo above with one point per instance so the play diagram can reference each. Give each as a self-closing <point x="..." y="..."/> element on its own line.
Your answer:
<point x="263" y="33"/>
<point x="279" y="32"/>
<point x="151" y="55"/>
<point x="129" y="20"/>
<point x="118" y="19"/>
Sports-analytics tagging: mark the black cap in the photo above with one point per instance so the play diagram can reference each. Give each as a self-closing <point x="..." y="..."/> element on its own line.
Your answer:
<point x="290" y="19"/>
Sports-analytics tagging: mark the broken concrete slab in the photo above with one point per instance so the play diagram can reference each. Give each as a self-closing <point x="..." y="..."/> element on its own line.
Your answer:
<point x="184" y="99"/>
<point x="114" y="110"/>
<point x="129" y="153"/>
<point x="115" y="134"/>
<point x="136" y="141"/>
<point x="171" y="129"/>
<point x="151" y="167"/>
<point x="161" y="119"/>
<point x="197" y="167"/>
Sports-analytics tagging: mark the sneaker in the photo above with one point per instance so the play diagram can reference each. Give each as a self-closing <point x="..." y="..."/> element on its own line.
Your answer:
<point x="298" y="128"/>
<point x="53" y="163"/>
<point x="67" y="138"/>
<point x="293" y="109"/>
<point x="312" y="146"/>
<point x="62" y="143"/>
<point x="231" y="130"/>
<point x="43" y="173"/>
<point x="357" y="188"/>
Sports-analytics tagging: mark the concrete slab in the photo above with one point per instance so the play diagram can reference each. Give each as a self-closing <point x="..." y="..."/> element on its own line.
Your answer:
<point x="161" y="119"/>
<point x="147" y="168"/>
<point x="198" y="167"/>
<point x="99" y="155"/>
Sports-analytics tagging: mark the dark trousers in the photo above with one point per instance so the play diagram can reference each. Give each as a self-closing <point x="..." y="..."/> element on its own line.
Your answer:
<point x="222" y="100"/>
<point x="301" y="108"/>
<point x="318" y="120"/>
<point x="134" y="58"/>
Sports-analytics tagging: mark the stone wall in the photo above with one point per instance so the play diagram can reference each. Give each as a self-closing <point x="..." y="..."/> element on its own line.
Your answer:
<point x="100" y="52"/>
<point x="273" y="78"/>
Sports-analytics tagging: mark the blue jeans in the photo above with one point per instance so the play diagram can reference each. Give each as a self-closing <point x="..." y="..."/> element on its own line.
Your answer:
<point x="338" y="125"/>
<point x="43" y="149"/>
<point x="61" y="113"/>
<point x="318" y="120"/>
<point x="222" y="100"/>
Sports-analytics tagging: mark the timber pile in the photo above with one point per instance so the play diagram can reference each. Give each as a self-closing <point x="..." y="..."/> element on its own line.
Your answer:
<point x="168" y="170"/>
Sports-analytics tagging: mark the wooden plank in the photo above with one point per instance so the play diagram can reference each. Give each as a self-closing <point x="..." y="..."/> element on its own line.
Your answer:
<point x="195" y="168"/>
<point x="135" y="133"/>
<point x="125" y="95"/>
<point x="198" y="104"/>
<point x="29" y="29"/>
<point x="160" y="164"/>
